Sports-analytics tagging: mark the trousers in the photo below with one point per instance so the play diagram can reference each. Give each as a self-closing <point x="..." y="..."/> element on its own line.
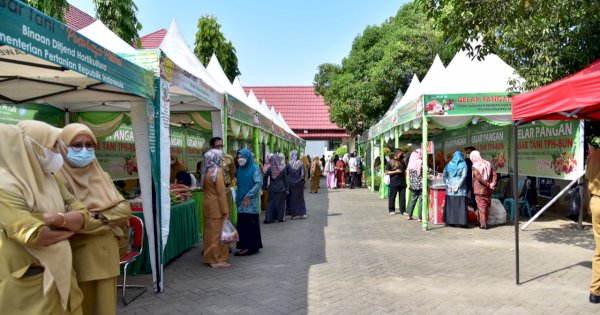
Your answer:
<point x="395" y="190"/>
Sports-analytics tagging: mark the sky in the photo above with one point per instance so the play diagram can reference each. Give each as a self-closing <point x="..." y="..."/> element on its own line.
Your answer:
<point x="277" y="42"/>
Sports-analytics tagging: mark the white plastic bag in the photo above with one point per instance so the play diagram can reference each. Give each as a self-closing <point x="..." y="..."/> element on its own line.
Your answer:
<point x="229" y="234"/>
<point x="386" y="179"/>
<point x="497" y="213"/>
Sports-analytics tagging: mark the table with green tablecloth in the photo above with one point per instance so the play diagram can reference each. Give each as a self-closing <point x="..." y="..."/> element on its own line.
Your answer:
<point x="183" y="234"/>
<point x="198" y="196"/>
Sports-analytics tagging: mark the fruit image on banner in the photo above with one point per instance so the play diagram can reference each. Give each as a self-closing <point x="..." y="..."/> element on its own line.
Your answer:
<point x="467" y="104"/>
<point x="551" y="149"/>
<point x="493" y="144"/>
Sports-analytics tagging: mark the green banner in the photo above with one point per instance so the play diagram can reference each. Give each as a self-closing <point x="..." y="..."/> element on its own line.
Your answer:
<point x="116" y="154"/>
<point x="11" y="114"/>
<point x="453" y="140"/>
<point x="467" y="104"/>
<point x="197" y="143"/>
<point x="39" y="35"/>
<point x="493" y="143"/>
<point x="551" y="150"/>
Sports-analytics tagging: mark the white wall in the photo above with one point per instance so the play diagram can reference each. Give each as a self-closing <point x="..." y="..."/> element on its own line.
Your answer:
<point x="316" y="147"/>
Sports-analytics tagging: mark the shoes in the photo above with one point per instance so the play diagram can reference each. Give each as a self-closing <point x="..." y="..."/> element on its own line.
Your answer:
<point x="483" y="227"/>
<point x="294" y="218"/>
<point x="282" y="220"/>
<point x="595" y="299"/>
<point x="221" y="265"/>
<point x="392" y="213"/>
<point x="241" y="252"/>
<point x="420" y="220"/>
<point x="409" y="218"/>
<point x="404" y="213"/>
<point x="303" y="216"/>
<point x="267" y="222"/>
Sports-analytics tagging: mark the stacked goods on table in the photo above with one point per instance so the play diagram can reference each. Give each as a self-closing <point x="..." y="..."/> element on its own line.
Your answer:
<point x="135" y="204"/>
<point x="180" y="193"/>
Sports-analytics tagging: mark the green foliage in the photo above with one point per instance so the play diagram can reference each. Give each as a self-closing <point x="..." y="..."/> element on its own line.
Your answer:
<point x="120" y="17"/>
<point x="544" y="40"/>
<point x="341" y="151"/>
<point x="210" y="40"/>
<point x="54" y="8"/>
<point x="382" y="60"/>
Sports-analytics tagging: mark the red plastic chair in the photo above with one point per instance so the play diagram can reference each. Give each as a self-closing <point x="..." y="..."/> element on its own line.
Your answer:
<point x="136" y="242"/>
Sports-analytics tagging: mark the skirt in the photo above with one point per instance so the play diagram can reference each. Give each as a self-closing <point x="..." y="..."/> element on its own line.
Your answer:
<point x="455" y="210"/>
<point x="249" y="230"/>
<point x="297" y="205"/>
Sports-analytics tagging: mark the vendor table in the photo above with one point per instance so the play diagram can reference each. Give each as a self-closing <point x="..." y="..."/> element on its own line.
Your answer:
<point x="183" y="234"/>
<point x="198" y="197"/>
<point x="437" y="199"/>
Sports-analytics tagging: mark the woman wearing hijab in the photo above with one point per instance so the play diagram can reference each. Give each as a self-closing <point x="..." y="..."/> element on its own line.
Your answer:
<point x="592" y="174"/>
<point x="340" y="173"/>
<point x="484" y="183"/>
<point x="264" y="198"/>
<point x="315" y="172"/>
<point x="249" y="183"/>
<point x="95" y="256"/>
<point x="347" y="178"/>
<point x="276" y="176"/>
<point x="415" y="183"/>
<point x="216" y="209"/>
<point x="455" y="207"/>
<point x="295" y="176"/>
<point x="37" y="217"/>
<point x="330" y="170"/>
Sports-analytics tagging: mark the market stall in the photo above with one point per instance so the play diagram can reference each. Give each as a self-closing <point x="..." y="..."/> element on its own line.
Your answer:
<point x="571" y="98"/>
<point x="48" y="63"/>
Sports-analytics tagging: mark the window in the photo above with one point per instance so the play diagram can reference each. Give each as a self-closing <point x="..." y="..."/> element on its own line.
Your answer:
<point x="333" y="144"/>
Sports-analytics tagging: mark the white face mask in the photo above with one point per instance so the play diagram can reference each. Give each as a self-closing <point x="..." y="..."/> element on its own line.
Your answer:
<point x="242" y="161"/>
<point x="49" y="160"/>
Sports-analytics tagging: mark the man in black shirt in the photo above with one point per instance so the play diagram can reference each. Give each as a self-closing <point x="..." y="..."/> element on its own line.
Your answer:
<point x="396" y="169"/>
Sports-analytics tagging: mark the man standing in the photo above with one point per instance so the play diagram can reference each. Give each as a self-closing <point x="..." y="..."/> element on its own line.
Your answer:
<point x="353" y="166"/>
<point x="229" y="168"/>
<point x="593" y="177"/>
<point x="360" y="167"/>
<point x="396" y="169"/>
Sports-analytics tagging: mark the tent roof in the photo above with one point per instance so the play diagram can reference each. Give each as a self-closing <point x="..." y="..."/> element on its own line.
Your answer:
<point x="105" y="37"/>
<point x="218" y="74"/>
<point x="578" y="94"/>
<point x="434" y="79"/>
<point x="411" y="93"/>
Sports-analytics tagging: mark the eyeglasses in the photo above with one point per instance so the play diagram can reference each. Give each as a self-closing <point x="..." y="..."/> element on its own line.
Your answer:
<point x="219" y="146"/>
<point x="90" y="146"/>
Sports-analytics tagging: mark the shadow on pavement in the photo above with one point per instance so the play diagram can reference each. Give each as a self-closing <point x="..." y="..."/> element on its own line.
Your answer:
<point x="585" y="264"/>
<point x="565" y="234"/>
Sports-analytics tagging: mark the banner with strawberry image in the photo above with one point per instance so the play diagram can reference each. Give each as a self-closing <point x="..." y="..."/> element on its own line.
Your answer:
<point x="467" y="104"/>
<point x="552" y="149"/>
<point x="493" y="142"/>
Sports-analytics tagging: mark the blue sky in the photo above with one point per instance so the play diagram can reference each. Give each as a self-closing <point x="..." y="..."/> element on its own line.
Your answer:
<point x="277" y="42"/>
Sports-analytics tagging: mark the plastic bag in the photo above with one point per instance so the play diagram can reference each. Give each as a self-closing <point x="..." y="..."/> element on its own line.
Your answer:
<point x="386" y="179"/>
<point x="229" y="234"/>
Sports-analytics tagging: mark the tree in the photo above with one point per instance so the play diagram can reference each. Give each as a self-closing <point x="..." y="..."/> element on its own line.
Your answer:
<point x="544" y="40"/>
<point x="53" y="8"/>
<point x="210" y="40"/>
<point x="120" y="17"/>
<point x="382" y="60"/>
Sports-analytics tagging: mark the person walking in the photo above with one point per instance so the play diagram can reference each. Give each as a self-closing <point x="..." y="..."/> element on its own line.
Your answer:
<point x="216" y="209"/>
<point x="360" y="170"/>
<point x="340" y="171"/>
<point x="415" y="182"/>
<point x="455" y="207"/>
<point x="264" y="198"/>
<point x="592" y="175"/>
<point x="353" y="168"/>
<point x="396" y="169"/>
<point x="249" y="184"/>
<point x="330" y="171"/>
<point x="347" y="178"/>
<point x="276" y="178"/>
<point x="315" y="171"/>
<point x="484" y="182"/>
<point x="295" y="175"/>
<point x="96" y="255"/>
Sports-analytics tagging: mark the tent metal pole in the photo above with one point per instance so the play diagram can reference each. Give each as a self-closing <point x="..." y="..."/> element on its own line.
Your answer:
<point x="515" y="188"/>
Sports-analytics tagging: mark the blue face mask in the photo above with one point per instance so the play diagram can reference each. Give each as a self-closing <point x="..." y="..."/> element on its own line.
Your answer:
<point x="80" y="158"/>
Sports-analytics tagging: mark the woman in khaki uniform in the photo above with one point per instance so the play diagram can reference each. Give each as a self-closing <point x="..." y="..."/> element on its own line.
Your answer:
<point x="593" y="177"/>
<point x="216" y="209"/>
<point x="96" y="255"/>
<point x="37" y="218"/>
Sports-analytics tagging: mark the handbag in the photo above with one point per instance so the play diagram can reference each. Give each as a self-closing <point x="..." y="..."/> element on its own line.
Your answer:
<point x="386" y="179"/>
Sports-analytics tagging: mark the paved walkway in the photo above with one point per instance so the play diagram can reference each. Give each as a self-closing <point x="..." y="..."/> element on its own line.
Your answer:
<point x="351" y="257"/>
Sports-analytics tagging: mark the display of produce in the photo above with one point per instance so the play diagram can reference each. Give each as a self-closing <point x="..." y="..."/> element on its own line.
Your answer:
<point x="179" y="193"/>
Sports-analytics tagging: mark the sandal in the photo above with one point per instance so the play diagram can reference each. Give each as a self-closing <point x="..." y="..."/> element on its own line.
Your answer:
<point x="409" y="218"/>
<point x="220" y="265"/>
<point x="241" y="252"/>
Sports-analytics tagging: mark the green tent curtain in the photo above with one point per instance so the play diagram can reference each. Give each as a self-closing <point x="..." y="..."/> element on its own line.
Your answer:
<point x="102" y="124"/>
<point x="202" y="120"/>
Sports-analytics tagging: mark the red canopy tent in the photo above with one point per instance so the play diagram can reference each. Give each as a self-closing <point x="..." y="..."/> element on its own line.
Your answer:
<point x="574" y="97"/>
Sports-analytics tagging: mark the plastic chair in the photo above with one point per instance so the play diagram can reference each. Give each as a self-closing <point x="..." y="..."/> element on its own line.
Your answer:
<point x="136" y="241"/>
<point x="523" y="203"/>
<point x="509" y="205"/>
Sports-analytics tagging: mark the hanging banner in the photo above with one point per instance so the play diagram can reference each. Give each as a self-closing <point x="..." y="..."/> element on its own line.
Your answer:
<point x="197" y="142"/>
<point x="551" y="149"/>
<point x="11" y="114"/>
<point x="493" y="143"/>
<point x="467" y="104"/>
<point x="454" y="140"/>
<point x="31" y="31"/>
<point x="116" y="154"/>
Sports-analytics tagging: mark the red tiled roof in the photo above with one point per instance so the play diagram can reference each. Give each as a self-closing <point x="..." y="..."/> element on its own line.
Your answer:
<point x="77" y="19"/>
<point x="301" y="108"/>
<point x="154" y="39"/>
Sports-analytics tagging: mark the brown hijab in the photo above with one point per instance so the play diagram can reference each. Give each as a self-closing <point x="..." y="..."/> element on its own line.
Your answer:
<point x="90" y="184"/>
<point x="23" y="175"/>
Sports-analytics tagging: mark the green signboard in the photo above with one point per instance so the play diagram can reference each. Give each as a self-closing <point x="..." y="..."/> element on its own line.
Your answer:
<point x="116" y="154"/>
<point x="467" y="104"/>
<point x="551" y="149"/>
<point x="454" y="140"/>
<point x="493" y="143"/>
<point x="39" y="35"/>
<point x="11" y="114"/>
